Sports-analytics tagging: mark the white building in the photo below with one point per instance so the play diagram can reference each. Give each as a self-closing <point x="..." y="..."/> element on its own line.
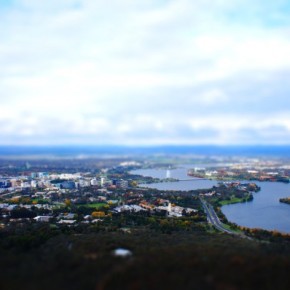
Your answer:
<point x="42" y="218"/>
<point x="33" y="183"/>
<point x="102" y="181"/>
<point x="94" y="182"/>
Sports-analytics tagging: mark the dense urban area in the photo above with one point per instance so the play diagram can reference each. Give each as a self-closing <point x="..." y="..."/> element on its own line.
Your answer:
<point x="90" y="223"/>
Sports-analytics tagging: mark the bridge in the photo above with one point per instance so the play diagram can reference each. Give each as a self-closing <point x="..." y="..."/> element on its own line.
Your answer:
<point x="193" y="179"/>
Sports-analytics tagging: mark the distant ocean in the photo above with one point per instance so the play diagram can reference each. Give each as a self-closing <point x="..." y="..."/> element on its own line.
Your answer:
<point x="206" y="150"/>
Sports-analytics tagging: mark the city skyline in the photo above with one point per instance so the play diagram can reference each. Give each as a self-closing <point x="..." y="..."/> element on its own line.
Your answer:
<point x="144" y="73"/>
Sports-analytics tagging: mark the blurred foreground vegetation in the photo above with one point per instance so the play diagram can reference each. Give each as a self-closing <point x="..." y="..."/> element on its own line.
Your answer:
<point x="167" y="254"/>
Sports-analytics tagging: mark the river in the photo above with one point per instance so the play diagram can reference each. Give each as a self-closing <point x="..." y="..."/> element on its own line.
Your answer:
<point x="265" y="211"/>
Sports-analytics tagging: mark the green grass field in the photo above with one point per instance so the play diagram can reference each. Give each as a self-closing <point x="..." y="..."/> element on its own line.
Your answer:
<point x="232" y="200"/>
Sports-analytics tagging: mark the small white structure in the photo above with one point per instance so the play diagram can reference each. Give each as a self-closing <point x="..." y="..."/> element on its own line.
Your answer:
<point x="124" y="253"/>
<point x="102" y="181"/>
<point x="33" y="183"/>
<point x="168" y="173"/>
<point x="94" y="182"/>
<point x="69" y="216"/>
<point x="96" y="221"/>
<point x="42" y="218"/>
<point x="67" y="222"/>
<point x="133" y="208"/>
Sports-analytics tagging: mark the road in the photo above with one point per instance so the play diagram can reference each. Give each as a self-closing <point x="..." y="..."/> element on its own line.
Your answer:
<point x="213" y="218"/>
<point x="7" y="194"/>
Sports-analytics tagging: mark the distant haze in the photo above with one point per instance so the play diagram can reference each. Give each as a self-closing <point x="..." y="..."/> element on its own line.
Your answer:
<point x="144" y="72"/>
<point x="129" y="151"/>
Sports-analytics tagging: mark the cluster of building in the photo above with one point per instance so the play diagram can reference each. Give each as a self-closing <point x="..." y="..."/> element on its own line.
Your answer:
<point x="240" y="172"/>
<point x="44" y="180"/>
<point x="44" y="193"/>
<point x="162" y="205"/>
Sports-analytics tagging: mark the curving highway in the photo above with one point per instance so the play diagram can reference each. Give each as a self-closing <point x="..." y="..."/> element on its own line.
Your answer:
<point x="213" y="218"/>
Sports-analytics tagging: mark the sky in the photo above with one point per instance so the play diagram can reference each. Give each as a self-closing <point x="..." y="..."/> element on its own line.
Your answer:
<point x="144" y="72"/>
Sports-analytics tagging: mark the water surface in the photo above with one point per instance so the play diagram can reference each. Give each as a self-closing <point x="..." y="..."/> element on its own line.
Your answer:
<point x="265" y="211"/>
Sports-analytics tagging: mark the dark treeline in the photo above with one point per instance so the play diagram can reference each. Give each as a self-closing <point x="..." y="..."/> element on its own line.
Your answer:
<point x="166" y="254"/>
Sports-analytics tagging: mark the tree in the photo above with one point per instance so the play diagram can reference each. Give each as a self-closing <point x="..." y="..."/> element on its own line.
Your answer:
<point x="98" y="214"/>
<point x="67" y="202"/>
<point x="22" y="212"/>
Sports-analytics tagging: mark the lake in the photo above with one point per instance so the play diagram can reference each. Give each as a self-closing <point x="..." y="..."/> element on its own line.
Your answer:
<point x="265" y="211"/>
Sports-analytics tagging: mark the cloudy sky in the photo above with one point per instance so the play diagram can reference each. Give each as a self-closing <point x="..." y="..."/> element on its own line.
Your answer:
<point x="145" y="72"/>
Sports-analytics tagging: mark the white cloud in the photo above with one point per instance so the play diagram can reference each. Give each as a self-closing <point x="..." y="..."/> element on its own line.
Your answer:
<point x="148" y="129"/>
<point x="212" y="97"/>
<point x="168" y="71"/>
